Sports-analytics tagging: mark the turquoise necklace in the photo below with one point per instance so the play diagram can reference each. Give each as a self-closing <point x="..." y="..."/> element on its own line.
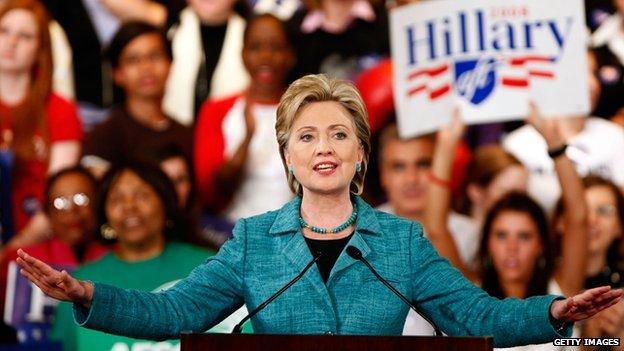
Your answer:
<point x="338" y="229"/>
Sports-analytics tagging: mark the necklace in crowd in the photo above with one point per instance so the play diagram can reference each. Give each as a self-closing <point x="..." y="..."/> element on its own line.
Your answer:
<point x="337" y="229"/>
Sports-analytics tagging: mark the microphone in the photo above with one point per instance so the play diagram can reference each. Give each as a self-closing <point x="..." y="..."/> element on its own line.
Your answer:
<point x="238" y="328"/>
<point x="356" y="254"/>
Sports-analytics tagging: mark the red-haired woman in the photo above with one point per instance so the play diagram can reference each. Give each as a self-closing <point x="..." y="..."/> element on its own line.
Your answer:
<point x="39" y="131"/>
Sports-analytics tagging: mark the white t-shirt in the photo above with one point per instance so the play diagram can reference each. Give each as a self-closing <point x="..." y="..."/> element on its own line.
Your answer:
<point x="264" y="186"/>
<point x="610" y="33"/>
<point x="598" y="150"/>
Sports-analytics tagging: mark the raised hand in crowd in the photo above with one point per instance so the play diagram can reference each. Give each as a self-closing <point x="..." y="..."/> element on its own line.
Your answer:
<point x="250" y="120"/>
<point x="574" y="241"/>
<point x="439" y="193"/>
<point x="148" y="11"/>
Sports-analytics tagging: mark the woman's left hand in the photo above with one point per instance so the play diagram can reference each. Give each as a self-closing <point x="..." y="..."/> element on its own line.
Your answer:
<point x="585" y="304"/>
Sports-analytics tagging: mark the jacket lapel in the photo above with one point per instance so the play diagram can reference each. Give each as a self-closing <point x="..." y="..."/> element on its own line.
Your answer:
<point x="294" y="248"/>
<point x="366" y="224"/>
<point x="344" y="260"/>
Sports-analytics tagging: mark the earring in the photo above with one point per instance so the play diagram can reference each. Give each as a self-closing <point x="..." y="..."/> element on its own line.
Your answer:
<point x="358" y="166"/>
<point x="291" y="170"/>
<point x="108" y="232"/>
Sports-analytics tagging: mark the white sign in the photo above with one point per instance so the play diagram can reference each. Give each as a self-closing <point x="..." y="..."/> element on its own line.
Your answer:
<point x="490" y="58"/>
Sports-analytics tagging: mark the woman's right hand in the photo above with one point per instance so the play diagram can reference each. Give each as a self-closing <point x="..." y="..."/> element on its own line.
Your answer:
<point x="57" y="284"/>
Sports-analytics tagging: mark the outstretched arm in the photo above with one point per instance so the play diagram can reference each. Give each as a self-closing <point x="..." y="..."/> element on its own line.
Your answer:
<point x="462" y="309"/>
<point x="209" y="294"/>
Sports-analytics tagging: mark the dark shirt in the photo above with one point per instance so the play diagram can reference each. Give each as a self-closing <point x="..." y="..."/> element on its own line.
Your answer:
<point x="608" y="276"/>
<point x="330" y="250"/>
<point x="92" y="72"/>
<point x="338" y="53"/>
<point x="611" y="77"/>
<point x="212" y="43"/>
<point x="123" y="138"/>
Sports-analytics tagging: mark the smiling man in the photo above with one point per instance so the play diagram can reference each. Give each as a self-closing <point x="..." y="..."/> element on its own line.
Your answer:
<point x="404" y="168"/>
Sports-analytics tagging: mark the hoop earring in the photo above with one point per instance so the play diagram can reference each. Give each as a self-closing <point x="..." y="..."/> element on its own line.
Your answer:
<point x="108" y="232"/>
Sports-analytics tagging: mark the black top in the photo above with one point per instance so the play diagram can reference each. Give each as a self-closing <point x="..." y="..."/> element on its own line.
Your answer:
<point x="212" y="42"/>
<point x="122" y="138"/>
<point x="338" y="53"/>
<point x="611" y="77"/>
<point x="92" y="72"/>
<point x="608" y="276"/>
<point x="330" y="250"/>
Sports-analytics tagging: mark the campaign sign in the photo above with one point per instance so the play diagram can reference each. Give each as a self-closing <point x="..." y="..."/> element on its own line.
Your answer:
<point x="490" y="58"/>
<point x="28" y="309"/>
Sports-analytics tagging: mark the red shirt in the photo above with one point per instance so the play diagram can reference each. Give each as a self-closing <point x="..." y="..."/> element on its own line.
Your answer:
<point x="29" y="176"/>
<point x="209" y="146"/>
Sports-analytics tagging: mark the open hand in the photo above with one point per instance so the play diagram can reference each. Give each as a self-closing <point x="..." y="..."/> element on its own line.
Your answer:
<point x="57" y="284"/>
<point x="547" y="127"/>
<point x="585" y="304"/>
<point x="452" y="133"/>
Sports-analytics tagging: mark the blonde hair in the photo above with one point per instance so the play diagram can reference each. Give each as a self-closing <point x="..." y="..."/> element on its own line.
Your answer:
<point x="318" y="88"/>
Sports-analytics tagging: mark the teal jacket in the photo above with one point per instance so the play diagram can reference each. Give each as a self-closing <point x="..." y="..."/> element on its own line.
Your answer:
<point x="269" y="250"/>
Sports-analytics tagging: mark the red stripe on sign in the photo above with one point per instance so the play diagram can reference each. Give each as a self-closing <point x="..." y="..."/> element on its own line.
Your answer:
<point x="434" y="94"/>
<point x="515" y="82"/>
<point x="541" y="74"/>
<point x="416" y="90"/>
<point x="519" y="61"/>
<point x="432" y="72"/>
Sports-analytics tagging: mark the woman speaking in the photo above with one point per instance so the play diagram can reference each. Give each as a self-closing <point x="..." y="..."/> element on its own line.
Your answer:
<point x="323" y="135"/>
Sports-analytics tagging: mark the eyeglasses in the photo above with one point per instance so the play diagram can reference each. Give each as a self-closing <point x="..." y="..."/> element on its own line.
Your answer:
<point x="65" y="203"/>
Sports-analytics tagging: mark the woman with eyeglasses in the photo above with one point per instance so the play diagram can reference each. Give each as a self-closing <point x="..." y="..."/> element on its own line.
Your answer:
<point x="137" y="210"/>
<point x="69" y="199"/>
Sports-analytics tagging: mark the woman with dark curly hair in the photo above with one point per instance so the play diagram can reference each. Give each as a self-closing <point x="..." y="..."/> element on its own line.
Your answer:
<point x="138" y="210"/>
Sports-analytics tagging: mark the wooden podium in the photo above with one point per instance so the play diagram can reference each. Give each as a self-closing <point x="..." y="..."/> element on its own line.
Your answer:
<point x="208" y="342"/>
